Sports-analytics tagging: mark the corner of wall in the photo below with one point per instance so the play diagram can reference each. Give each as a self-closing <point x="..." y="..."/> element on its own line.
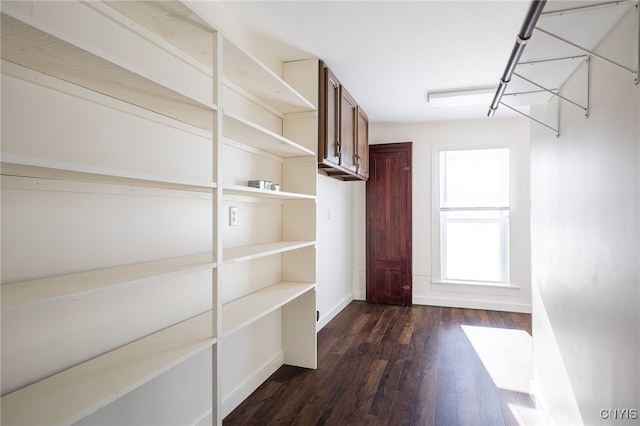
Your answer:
<point x="551" y="383"/>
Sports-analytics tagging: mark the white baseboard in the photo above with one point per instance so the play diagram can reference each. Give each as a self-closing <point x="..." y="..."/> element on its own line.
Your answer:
<point x="472" y="304"/>
<point x="539" y="398"/>
<point x="462" y="303"/>
<point x="359" y="295"/>
<point x="240" y="393"/>
<point x="324" y="319"/>
<point x="205" y="420"/>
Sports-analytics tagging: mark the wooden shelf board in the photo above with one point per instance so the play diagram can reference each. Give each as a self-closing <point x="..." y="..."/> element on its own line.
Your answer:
<point x="70" y="395"/>
<point x="173" y="22"/>
<point x="24" y="166"/>
<point x="248" y="133"/>
<point x="242" y="312"/>
<point x="23" y="44"/>
<point x="266" y="193"/>
<point x="244" y="253"/>
<point x="250" y="74"/>
<point x="26" y="295"/>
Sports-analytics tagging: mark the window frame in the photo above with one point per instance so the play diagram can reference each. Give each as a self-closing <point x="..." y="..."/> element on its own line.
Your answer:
<point x="438" y="223"/>
<point x="501" y="205"/>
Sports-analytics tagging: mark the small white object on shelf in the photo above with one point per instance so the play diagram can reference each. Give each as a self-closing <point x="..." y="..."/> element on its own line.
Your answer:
<point x="260" y="184"/>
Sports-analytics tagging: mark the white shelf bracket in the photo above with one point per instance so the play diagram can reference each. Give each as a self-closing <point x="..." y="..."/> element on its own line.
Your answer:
<point x="556" y="92"/>
<point x="555" y="129"/>
<point x="636" y="51"/>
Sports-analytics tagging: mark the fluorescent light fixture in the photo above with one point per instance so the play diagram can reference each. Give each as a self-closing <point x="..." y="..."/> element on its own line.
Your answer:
<point x="461" y="97"/>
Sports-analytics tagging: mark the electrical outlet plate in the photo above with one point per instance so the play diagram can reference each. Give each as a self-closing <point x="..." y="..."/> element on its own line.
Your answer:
<point x="233" y="216"/>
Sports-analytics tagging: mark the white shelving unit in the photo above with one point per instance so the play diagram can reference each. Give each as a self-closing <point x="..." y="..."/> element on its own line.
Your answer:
<point x="242" y="312"/>
<point x="26" y="295"/>
<point x="70" y="395"/>
<point x="23" y="166"/>
<point x="243" y="70"/>
<point x="262" y="127"/>
<point x="266" y="193"/>
<point x="124" y="95"/>
<point x="252" y="134"/>
<point x="245" y="253"/>
<point x="86" y="69"/>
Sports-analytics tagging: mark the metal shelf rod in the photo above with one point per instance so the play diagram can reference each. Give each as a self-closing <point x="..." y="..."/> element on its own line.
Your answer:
<point x="528" y="26"/>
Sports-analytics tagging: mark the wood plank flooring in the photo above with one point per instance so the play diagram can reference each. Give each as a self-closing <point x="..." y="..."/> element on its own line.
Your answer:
<point x="392" y="365"/>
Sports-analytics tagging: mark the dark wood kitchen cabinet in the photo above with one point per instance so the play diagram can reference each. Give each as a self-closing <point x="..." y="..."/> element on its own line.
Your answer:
<point x="328" y="129"/>
<point x="343" y="132"/>
<point x="348" y="123"/>
<point x="362" y="144"/>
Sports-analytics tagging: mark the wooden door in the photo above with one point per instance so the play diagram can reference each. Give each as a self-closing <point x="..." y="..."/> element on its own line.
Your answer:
<point x="329" y="148"/>
<point x="388" y="228"/>
<point x="348" y="123"/>
<point x="362" y="144"/>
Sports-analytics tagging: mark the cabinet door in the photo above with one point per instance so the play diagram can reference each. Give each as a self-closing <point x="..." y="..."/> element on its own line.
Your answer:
<point x="348" y="124"/>
<point x="329" y="148"/>
<point x="362" y="144"/>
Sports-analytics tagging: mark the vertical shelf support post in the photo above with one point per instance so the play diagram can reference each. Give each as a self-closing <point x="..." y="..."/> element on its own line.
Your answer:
<point x="217" y="137"/>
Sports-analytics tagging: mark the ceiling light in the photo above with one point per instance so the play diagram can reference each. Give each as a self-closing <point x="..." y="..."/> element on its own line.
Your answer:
<point x="461" y="97"/>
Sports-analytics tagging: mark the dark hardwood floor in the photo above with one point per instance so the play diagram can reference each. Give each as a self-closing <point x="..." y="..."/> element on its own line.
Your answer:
<point x="390" y="365"/>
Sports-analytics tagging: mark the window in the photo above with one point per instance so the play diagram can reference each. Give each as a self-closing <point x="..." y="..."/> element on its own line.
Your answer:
<point x="474" y="215"/>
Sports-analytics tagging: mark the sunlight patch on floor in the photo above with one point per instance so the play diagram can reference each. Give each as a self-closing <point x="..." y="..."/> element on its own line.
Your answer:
<point x="507" y="355"/>
<point x="528" y="416"/>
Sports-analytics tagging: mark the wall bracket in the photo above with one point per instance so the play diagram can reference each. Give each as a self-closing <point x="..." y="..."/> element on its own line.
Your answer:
<point x="554" y="92"/>
<point x="555" y="129"/>
<point x="633" y="71"/>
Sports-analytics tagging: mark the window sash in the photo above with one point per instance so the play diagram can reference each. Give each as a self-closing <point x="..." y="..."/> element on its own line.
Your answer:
<point x="479" y="216"/>
<point x="488" y="168"/>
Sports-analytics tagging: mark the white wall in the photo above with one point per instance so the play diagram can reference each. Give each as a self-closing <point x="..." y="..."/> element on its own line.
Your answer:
<point x="585" y="247"/>
<point x="336" y="221"/>
<point x="426" y="139"/>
